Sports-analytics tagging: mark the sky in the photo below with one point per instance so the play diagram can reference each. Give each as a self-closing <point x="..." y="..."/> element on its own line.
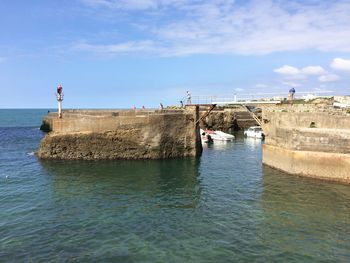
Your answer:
<point x="125" y="53"/>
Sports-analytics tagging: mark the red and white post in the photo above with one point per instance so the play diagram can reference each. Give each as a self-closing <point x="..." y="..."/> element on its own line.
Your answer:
<point x="59" y="95"/>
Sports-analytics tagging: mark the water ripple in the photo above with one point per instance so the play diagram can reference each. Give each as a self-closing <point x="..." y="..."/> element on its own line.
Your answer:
<point x="224" y="207"/>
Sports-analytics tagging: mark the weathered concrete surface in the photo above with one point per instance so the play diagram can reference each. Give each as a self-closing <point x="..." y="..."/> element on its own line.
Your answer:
<point x="308" y="140"/>
<point x="97" y="134"/>
<point x="228" y="119"/>
<point x="311" y="139"/>
<point x="322" y="165"/>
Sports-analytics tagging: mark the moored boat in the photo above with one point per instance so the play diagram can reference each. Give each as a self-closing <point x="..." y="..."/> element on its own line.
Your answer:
<point x="216" y="135"/>
<point x="255" y="132"/>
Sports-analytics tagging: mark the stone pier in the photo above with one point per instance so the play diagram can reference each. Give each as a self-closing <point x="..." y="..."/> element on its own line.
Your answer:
<point x="308" y="140"/>
<point x="121" y="134"/>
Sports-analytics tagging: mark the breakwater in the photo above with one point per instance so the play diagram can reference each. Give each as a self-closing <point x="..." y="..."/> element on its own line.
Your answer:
<point x="308" y="140"/>
<point x="121" y="134"/>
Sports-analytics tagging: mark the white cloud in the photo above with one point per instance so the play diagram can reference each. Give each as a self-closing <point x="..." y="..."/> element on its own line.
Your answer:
<point x="231" y="27"/>
<point x="295" y="77"/>
<point x="132" y="4"/>
<point x="341" y="64"/>
<point x="287" y="70"/>
<point x="328" y="78"/>
<point x="123" y="48"/>
<point x="309" y="70"/>
<point x="314" y="70"/>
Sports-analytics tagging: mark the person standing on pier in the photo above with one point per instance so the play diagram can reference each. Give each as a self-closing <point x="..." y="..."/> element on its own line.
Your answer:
<point x="189" y="101"/>
<point x="291" y="95"/>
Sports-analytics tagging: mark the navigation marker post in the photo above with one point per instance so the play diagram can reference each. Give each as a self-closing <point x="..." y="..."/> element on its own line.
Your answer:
<point x="59" y="95"/>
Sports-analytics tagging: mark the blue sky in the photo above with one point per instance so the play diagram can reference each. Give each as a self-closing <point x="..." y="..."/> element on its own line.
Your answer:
<point x="121" y="53"/>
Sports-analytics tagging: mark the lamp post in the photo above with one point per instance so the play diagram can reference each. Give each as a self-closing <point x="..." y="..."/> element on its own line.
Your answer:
<point x="59" y="96"/>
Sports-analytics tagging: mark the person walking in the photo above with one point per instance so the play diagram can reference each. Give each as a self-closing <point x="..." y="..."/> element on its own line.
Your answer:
<point x="291" y="95"/>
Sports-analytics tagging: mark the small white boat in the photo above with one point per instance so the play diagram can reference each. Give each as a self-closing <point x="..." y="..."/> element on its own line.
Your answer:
<point x="216" y="136"/>
<point x="255" y="132"/>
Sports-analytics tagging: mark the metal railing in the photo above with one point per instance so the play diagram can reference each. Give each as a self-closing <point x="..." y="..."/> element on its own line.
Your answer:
<point x="241" y="97"/>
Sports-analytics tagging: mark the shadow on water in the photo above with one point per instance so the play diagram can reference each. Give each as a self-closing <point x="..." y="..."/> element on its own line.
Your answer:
<point x="158" y="178"/>
<point x="303" y="218"/>
<point x="122" y="211"/>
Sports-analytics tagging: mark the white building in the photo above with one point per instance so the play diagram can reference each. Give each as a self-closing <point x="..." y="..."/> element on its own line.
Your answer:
<point x="342" y="101"/>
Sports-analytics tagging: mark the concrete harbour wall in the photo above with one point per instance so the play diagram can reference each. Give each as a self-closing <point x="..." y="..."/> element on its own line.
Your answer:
<point x="121" y="135"/>
<point x="308" y="140"/>
<point x="321" y="165"/>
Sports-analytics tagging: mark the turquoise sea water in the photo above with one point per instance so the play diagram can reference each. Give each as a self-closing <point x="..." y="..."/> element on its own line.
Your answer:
<point x="223" y="207"/>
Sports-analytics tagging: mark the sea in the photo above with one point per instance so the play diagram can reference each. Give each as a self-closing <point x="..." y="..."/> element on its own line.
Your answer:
<point x="222" y="207"/>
